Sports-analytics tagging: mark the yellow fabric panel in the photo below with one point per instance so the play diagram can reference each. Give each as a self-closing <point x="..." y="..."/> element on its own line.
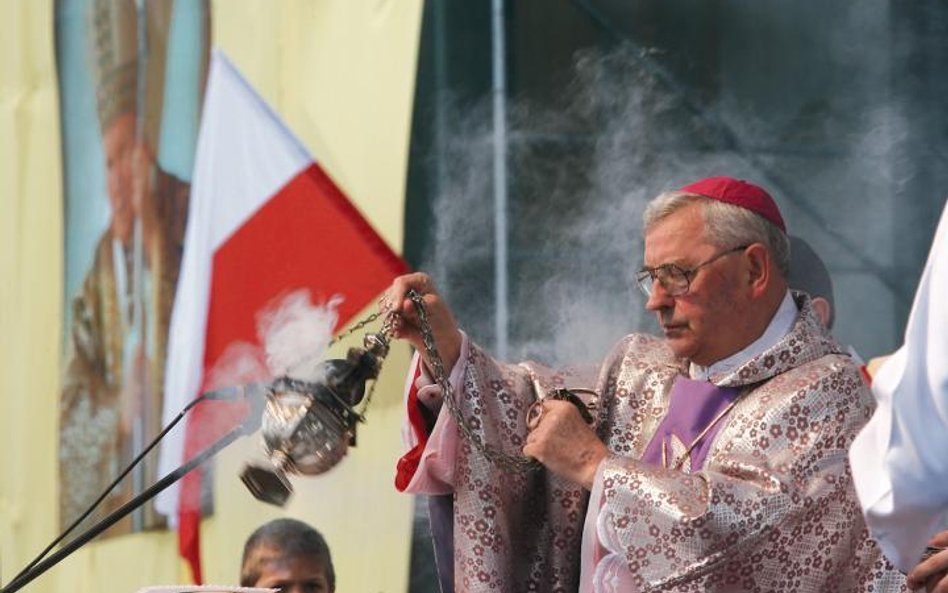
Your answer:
<point x="341" y="72"/>
<point x="31" y="268"/>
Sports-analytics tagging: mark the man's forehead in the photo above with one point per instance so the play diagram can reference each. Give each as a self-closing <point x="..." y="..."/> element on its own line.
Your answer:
<point x="675" y="239"/>
<point x="685" y="216"/>
<point x="275" y="561"/>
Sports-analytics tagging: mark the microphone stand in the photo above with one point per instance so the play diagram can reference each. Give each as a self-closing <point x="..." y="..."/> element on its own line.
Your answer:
<point x="250" y="425"/>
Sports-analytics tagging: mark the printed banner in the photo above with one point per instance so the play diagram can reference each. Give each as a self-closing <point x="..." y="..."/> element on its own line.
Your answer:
<point x="131" y="76"/>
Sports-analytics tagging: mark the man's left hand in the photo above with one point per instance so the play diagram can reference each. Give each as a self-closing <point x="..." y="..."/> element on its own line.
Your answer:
<point x="933" y="572"/>
<point x="562" y="441"/>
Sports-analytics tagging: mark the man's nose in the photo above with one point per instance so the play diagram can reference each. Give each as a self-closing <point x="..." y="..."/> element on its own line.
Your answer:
<point x="658" y="298"/>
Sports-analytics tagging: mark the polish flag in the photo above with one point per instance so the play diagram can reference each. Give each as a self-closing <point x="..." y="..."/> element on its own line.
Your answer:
<point x="264" y="221"/>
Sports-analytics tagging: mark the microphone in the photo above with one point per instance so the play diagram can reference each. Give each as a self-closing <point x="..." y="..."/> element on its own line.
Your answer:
<point x="252" y="392"/>
<point x="233" y="393"/>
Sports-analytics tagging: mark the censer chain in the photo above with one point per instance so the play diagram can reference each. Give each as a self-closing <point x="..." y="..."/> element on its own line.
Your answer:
<point x="504" y="460"/>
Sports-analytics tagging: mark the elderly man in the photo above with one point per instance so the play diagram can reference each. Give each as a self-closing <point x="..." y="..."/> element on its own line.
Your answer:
<point x="712" y="460"/>
<point x="288" y="555"/>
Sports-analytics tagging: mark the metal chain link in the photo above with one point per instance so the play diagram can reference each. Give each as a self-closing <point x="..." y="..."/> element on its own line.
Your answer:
<point x="504" y="460"/>
<point x="361" y="324"/>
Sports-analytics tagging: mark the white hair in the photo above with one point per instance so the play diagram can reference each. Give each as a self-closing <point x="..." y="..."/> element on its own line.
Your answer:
<point x="726" y="225"/>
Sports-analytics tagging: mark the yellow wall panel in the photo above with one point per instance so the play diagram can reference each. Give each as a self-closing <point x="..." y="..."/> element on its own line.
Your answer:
<point x="31" y="268"/>
<point x="341" y="73"/>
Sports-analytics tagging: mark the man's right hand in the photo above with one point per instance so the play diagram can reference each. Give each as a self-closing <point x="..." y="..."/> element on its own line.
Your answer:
<point x="562" y="440"/>
<point x="445" y="330"/>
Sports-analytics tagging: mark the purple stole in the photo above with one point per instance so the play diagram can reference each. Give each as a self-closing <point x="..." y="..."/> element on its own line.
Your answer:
<point x="692" y="407"/>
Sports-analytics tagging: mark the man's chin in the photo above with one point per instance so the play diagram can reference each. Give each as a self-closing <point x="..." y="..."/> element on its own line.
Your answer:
<point x="679" y="344"/>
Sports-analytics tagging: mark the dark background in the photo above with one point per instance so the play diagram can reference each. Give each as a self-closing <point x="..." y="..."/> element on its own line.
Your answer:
<point x="837" y="107"/>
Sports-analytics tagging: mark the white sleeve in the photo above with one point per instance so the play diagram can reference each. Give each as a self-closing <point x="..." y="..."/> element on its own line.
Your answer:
<point x="900" y="459"/>
<point x="435" y="470"/>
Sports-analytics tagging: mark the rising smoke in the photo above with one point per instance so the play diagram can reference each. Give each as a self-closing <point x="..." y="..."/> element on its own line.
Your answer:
<point x="581" y="173"/>
<point x="814" y="114"/>
<point x="293" y="336"/>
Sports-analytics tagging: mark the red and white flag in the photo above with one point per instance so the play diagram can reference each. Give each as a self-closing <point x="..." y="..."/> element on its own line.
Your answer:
<point x="264" y="221"/>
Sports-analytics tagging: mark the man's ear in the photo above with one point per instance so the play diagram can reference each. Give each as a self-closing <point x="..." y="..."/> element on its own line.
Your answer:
<point x="759" y="268"/>
<point x="822" y="308"/>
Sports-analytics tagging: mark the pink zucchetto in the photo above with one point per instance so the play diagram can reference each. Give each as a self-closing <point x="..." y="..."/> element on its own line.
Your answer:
<point x="740" y="193"/>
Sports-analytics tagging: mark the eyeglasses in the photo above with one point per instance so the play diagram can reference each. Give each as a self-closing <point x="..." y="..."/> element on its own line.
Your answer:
<point x="675" y="280"/>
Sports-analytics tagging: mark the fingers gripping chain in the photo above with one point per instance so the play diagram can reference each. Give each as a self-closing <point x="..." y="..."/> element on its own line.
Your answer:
<point x="504" y="460"/>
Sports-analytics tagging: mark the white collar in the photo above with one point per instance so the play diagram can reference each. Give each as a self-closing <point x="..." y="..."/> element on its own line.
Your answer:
<point x="780" y="325"/>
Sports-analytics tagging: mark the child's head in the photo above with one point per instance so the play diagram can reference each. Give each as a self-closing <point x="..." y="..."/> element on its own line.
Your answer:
<point x="289" y="555"/>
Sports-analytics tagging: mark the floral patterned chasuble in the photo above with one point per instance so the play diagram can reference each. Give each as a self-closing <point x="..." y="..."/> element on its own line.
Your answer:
<point x="772" y="508"/>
